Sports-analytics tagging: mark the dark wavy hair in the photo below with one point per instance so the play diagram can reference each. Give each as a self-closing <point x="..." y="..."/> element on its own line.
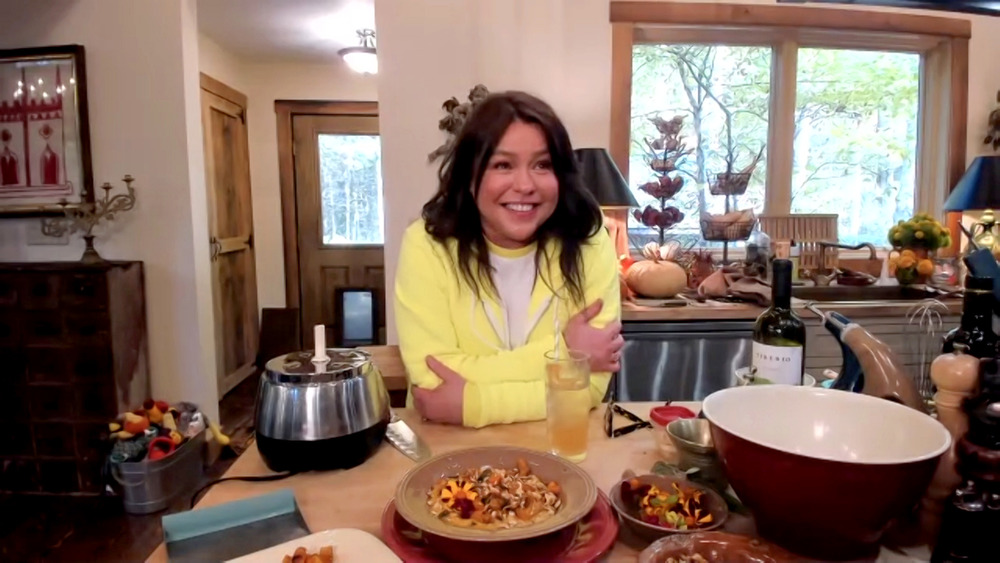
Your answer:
<point x="452" y="212"/>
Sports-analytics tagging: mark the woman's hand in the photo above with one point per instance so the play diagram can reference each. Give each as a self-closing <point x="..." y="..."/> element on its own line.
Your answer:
<point x="604" y="345"/>
<point x="445" y="403"/>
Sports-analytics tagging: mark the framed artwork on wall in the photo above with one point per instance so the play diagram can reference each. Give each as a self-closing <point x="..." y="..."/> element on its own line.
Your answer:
<point x="44" y="131"/>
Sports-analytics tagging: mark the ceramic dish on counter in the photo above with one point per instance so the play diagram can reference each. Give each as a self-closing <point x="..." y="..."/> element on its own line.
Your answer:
<point x="743" y="378"/>
<point x="711" y="502"/>
<point x="582" y="542"/>
<point x="349" y="546"/>
<point x="576" y="492"/>
<point x="714" y="547"/>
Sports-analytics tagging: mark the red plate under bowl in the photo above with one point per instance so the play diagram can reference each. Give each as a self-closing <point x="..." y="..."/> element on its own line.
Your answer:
<point x="584" y="541"/>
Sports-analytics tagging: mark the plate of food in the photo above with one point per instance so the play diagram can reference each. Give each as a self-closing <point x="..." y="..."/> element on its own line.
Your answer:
<point x="654" y="506"/>
<point x="341" y="545"/>
<point x="494" y="494"/>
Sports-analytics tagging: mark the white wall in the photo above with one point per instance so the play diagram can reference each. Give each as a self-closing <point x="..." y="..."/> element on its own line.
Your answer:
<point x="558" y="49"/>
<point x="263" y="83"/>
<point x="220" y="64"/>
<point x="142" y="86"/>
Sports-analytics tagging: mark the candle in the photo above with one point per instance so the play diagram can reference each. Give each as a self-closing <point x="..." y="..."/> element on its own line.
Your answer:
<point x="319" y="339"/>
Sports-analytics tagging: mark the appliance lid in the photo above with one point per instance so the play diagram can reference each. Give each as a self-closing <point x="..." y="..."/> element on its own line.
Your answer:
<point x="298" y="367"/>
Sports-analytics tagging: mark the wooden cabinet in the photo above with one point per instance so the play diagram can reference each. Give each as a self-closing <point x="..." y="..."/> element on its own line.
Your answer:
<point x="73" y="354"/>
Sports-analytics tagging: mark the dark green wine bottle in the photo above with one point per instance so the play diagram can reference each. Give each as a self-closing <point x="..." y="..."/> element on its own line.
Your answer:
<point x="779" y="336"/>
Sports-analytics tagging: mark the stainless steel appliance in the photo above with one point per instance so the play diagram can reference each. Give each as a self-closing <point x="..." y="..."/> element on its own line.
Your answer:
<point x="681" y="361"/>
<point x="320" y="415"/>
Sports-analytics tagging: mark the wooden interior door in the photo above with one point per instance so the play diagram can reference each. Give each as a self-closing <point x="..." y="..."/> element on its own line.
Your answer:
<point x="230" y="226"/>
<point x="339" y="218"/>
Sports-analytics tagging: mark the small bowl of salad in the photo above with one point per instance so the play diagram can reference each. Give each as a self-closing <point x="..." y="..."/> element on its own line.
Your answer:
<point x="654" y="506"/>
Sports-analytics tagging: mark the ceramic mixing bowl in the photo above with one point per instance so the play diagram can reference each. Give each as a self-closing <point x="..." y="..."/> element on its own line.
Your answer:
<point x="823" y="471"/>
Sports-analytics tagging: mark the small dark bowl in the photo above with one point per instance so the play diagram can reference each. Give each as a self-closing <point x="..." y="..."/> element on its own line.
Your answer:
<point x="630" y="515"/>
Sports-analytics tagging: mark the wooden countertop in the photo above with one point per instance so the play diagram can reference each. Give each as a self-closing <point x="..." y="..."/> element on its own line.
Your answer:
<point x="355" y="498"/>
<point x="717" y="310"/>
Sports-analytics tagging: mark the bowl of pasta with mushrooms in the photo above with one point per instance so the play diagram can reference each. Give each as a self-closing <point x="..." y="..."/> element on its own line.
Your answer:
<point x="494" y="494"/>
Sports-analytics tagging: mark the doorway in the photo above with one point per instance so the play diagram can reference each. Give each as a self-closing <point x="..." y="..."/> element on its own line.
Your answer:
<point x="337" y="228"/>
<point x="230" y="228"/>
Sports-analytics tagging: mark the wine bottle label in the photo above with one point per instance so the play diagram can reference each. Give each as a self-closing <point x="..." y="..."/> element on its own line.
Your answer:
<point x="778" y="364"/>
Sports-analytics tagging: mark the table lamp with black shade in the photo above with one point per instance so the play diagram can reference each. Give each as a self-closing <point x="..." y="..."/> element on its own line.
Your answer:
<point x="979" y="189"/>
<point x="601" y="177"/>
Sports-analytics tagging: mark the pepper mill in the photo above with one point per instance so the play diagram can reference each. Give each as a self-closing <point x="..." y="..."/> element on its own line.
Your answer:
<point x="972" y="514"/>
<point x="956" y="376"/>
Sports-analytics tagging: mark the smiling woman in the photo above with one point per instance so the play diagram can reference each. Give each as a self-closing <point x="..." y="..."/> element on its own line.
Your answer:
<point x="509" y="260"/>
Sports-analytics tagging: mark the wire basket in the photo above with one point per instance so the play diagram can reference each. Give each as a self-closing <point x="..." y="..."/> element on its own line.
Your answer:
<point x="715" y="228"/>
<point x="730" y="183"/>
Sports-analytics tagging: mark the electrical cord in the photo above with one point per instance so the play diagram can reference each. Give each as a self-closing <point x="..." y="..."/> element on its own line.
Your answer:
<point x="252" y="478"/>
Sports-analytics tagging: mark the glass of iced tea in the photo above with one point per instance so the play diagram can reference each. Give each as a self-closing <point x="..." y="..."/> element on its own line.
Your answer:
<point x="567" y="376"/>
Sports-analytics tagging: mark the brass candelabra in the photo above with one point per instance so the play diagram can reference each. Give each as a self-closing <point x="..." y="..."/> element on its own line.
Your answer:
<point x="84" y="217"/>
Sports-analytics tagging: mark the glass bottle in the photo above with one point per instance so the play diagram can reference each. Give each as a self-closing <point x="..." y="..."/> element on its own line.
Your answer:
<point x="779" y="335"/>
<point x="758" y="253"/>
<point x="976" y="328"/>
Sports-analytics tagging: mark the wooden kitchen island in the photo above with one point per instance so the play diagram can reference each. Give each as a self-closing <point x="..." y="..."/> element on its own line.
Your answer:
<point x="355" y="498"/>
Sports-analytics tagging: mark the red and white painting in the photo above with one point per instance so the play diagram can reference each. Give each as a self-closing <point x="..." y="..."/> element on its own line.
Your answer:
<point x="40" y="157"/>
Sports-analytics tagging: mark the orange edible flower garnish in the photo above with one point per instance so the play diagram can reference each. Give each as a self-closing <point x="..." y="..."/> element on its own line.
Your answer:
<point x="457" y="490"/>
<point x="681" y="508"/>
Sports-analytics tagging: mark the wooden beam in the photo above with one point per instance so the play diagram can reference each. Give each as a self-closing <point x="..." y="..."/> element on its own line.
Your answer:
<point x="959" y="106"/>
<point x="223" y="91"/>
<point x="714" y="14"/>
<point x="957" y="132"/>
<point x="621" y="95"/>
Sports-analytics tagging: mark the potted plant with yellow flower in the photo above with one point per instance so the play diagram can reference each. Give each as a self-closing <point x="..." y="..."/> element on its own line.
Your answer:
<point x="914" y="243"/>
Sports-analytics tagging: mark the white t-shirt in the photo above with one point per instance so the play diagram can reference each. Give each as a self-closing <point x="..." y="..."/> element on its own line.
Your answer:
<point x="514" y="276"/>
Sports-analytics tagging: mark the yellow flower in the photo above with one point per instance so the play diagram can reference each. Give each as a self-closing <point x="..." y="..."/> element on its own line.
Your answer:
<point x="456" y="490"/>
<point x="919" y="234"/>
<point x="925" y="267"/>
<point x="906" y="262"/>
<point x="907" y="253"/>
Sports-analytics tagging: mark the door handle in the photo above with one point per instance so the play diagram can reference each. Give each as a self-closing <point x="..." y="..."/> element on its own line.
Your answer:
<point x="214" y="247"/>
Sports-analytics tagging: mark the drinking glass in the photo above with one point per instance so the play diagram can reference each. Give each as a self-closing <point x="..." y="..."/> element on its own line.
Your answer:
<point x="567" y="377"/>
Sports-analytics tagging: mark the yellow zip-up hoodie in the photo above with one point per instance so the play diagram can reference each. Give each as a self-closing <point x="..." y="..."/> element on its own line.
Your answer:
<point x="438" y="314"/>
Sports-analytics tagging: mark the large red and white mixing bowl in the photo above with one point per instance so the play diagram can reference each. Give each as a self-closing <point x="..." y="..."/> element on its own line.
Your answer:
<point x="823" y="471"/>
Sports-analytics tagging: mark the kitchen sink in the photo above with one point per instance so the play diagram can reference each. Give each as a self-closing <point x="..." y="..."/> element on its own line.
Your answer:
<point x="862" y="293"/>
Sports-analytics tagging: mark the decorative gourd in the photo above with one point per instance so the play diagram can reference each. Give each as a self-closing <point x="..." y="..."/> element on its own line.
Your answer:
<point x="656" y="279"/>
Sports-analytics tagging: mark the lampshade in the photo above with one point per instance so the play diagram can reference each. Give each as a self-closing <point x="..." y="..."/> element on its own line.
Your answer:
<point x="601" y="177"/>
<point x="979" y="188"/>
<point x="363" y="58"/>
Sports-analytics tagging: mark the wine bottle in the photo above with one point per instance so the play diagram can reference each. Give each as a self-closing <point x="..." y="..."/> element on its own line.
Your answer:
<point x="976" y="328"/>
<point x="779" y="335"/>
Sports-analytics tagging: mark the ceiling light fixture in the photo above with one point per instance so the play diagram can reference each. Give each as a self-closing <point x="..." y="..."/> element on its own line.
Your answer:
<point x="363" y="58"/>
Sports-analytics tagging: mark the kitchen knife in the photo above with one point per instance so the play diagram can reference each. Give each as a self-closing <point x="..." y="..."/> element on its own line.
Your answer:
<point x="404" y="439"/>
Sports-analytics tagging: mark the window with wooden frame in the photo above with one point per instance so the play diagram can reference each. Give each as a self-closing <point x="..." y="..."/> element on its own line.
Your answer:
<point x="857" y="113"/>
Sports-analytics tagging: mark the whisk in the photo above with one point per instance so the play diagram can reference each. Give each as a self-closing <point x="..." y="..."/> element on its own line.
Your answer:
<point x="923" y="343"/>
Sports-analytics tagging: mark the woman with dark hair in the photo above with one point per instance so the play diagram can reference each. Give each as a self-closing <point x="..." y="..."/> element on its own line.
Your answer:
<point x="510" y="253"/>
